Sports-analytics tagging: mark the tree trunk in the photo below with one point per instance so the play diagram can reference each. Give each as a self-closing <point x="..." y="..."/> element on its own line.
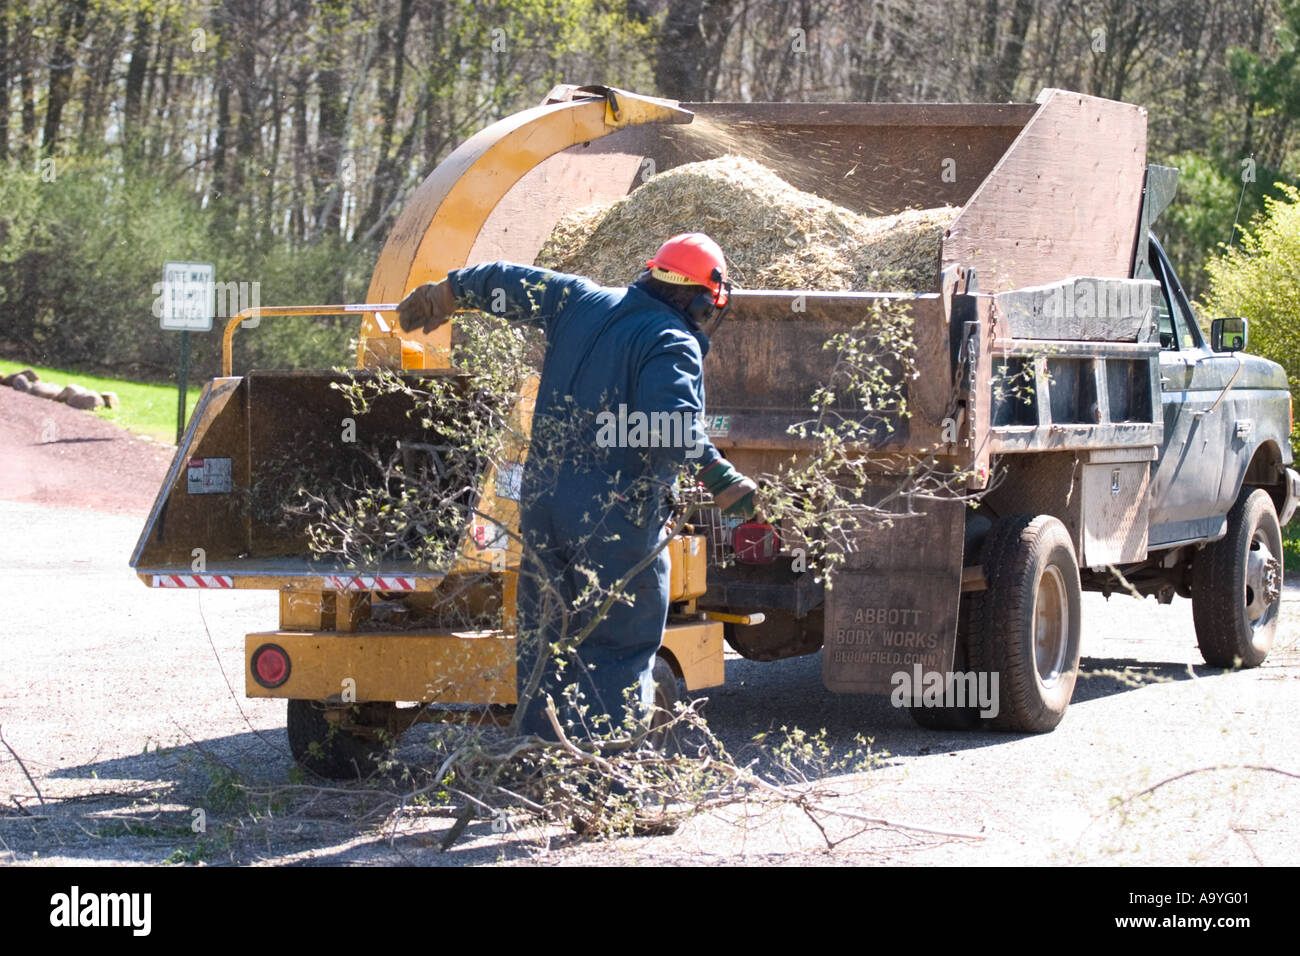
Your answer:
<point x="4" y="80"/>
<point x="329" y="143"/>
<point x="166" y="110"/>
<point x="688" y="48"/>
<point x="246" y="140"/>
<point x="26" y="85"/>
<point x="988" y="48"/>
<point x="219" y="174"/>
<point x="298" y="213"/>
<point x="71" y="21"/>
<point x="385" y="181"/>
<point x="135" y="74"/>
<point x="1257" y="41"/>
<point x="1008" y="70"/>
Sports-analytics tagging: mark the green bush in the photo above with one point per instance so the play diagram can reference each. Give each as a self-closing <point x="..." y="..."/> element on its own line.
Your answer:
<point x="323" y="272"/>
<point x="1260" y="280"/>
<point x="81" y="254"/>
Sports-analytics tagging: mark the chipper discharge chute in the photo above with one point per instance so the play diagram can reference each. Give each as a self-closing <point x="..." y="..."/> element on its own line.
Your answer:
<point x="1047" y="191"/>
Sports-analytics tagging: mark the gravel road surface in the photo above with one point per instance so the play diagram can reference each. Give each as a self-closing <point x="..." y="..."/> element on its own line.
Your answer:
<point x="119" y="701"/>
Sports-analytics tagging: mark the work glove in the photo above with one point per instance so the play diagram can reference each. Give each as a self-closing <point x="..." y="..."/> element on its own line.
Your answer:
<point x="426" y="307"/>
<point x="731" y="491"/>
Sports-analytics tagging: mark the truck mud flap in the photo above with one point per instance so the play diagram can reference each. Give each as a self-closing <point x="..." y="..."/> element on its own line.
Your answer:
<point x="893" y="604"/>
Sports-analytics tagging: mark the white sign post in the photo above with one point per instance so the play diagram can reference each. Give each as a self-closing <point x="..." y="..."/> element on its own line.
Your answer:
<point x="188" y="295"/>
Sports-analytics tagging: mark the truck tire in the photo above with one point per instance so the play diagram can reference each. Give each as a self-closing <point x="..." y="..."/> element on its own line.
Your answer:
<point x="1237" y="585"/>
<point x="321" y="747"/>
<point x="1026" y="626"/>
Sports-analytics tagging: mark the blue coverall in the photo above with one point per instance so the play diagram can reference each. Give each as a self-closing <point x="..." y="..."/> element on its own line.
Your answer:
<point x="584" y="506"/>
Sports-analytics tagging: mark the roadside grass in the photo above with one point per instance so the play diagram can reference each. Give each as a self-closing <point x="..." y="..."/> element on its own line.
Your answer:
<point x="1291" y="545"/>
<point x="147" y="408"/>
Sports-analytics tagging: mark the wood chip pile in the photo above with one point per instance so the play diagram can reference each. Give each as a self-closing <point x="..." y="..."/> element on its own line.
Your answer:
<point x="774" y="235"/>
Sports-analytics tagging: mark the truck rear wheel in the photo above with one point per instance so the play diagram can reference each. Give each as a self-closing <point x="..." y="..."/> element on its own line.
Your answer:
<point x="324" y="748"/>
<point x="1237" y="585"/>
<point x="1026" y="626"/>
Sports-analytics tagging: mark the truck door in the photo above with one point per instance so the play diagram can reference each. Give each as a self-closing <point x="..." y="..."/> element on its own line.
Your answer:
<point x="1185" y="486"/>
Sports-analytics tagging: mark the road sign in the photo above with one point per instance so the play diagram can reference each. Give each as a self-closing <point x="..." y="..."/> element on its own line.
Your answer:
<point x="187" y="296"/>
<point x="187" y="305"/>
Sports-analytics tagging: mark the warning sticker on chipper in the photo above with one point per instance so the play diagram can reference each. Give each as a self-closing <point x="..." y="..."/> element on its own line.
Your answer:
<point x="510" y="481"/>
<point x="208" y="476"/>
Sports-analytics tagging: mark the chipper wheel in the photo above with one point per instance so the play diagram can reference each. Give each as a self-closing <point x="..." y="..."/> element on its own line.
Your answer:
<point x="1237" y="585"/>
<point x="1026" y="626"/>
<point x="666" y="697"/>
<point x="323" y="747"/>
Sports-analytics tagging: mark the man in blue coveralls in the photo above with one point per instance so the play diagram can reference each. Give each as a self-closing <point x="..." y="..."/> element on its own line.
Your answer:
<point x="595" y="499"/>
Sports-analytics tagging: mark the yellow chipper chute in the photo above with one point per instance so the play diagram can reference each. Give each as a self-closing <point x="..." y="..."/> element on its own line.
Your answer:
<point x="365" y="651"/>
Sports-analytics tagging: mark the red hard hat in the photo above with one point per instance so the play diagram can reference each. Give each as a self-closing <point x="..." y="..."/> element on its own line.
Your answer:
<point x="692" y="259"/>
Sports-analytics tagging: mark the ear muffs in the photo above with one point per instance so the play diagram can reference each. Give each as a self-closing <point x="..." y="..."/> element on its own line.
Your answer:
<point x="707" y="309"/>
<point x="701" y="309"/>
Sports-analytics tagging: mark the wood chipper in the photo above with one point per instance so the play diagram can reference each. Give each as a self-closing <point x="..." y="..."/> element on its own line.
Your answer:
<point x="1058" y="373"/>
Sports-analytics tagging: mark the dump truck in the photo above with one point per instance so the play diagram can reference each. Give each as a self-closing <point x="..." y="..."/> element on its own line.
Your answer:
<point x="1100" y="440"/>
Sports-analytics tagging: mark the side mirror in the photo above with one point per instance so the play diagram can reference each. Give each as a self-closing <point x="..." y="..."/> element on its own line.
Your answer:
<point x="1228" y="335"/>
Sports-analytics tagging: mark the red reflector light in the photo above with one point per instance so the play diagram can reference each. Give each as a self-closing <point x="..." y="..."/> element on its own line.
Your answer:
<point x="270" y="665"/>
<point x="756" y="543"/>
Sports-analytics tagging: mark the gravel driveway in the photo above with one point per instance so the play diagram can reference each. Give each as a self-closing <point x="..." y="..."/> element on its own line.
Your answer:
<point x="125" y="704"/>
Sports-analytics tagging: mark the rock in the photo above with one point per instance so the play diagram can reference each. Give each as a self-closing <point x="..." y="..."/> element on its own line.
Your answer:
<point x="111" y="399"/>
<point x="46" y="390"/>
<point x="84" y="399"/>
<point x="26" y="373"/>
<point x="19" y="382"/>
<point x="78" y="396"/>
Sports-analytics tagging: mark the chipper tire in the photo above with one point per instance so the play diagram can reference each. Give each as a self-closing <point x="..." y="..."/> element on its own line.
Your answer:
<point x="1237" y="585"/>
<point x="781" y="635"/>
<point x="326" y="750"/>
<point x="1026" y="626"/>
<point x="667" y="695"/>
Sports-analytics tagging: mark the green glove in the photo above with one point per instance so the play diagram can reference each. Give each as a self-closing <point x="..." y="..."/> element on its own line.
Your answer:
<point x="731" y="491"/>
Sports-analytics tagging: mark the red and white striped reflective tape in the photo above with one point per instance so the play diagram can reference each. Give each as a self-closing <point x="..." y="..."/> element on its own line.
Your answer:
<point x="192" y="581"/>
<point x="369" y="583"/>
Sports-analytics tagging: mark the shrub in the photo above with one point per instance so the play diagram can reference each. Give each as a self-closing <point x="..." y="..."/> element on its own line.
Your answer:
<point x="1260" y="280"/>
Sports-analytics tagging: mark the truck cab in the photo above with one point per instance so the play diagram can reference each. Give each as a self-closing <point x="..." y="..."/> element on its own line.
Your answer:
<point x="1227" y="418"/>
